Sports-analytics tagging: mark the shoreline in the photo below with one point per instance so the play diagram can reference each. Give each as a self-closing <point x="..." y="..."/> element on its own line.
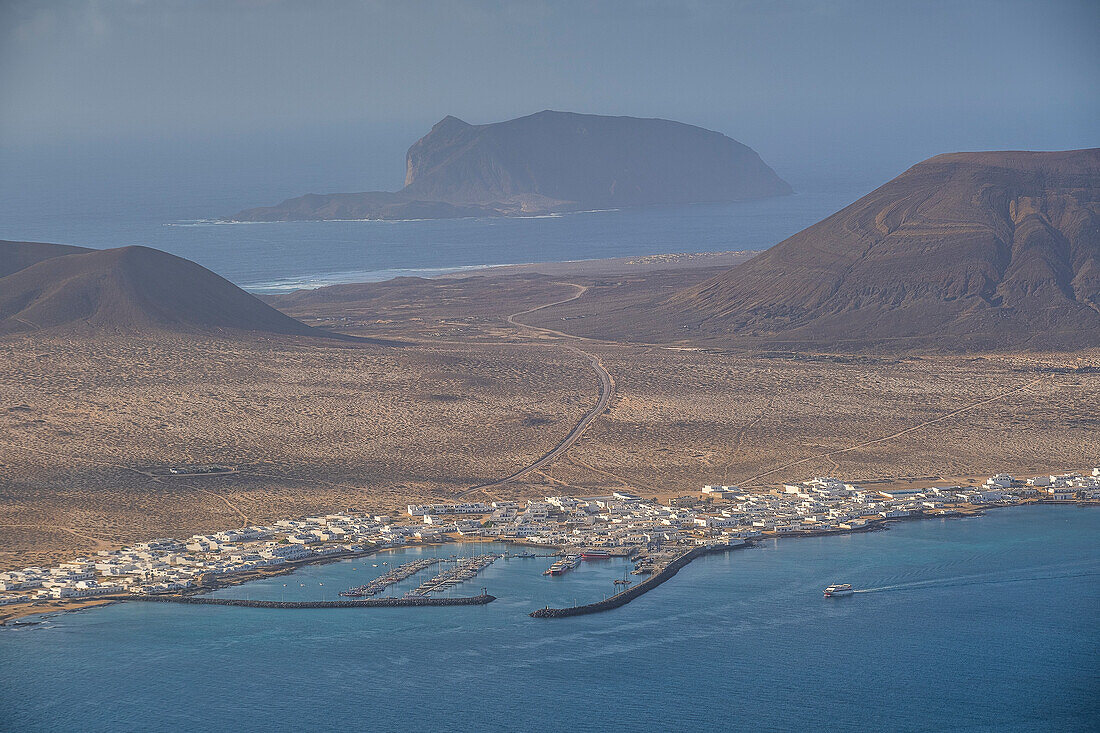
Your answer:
<point x="626" y="265"/>
<point x="18" y="612"/>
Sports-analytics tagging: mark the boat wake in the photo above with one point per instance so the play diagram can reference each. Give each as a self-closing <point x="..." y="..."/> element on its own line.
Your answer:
<point x="965" y="580"/>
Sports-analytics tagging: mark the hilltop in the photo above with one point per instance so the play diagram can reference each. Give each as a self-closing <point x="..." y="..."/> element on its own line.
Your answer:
<point x="15" y="256"/>
<point x="551" y="162"/>
<point x="129" y="289"/>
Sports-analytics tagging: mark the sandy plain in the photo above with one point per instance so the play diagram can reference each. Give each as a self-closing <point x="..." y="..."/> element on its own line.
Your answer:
<point x="463" y="396"/>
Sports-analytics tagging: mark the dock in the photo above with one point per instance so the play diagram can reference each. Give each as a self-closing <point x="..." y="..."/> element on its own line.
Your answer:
<point x="396" y="575"/>
<point x="463" y="570"/>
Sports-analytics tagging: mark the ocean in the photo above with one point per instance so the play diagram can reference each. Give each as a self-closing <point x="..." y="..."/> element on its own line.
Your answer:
<point x="976" y="624"/>
<point x="979" y="624"/>
<point x="170" y="199"/>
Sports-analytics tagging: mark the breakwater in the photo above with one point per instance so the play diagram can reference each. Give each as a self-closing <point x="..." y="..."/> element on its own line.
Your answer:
<point x="624" y="597"/>
<point x="402" y="602"/>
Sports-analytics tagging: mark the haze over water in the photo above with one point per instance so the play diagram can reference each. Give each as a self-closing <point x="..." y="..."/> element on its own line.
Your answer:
<point x="977" y="624"/>
<point x="164" y="197"/>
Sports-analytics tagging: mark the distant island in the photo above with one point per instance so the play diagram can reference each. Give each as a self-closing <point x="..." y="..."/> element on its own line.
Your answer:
<point x="550" y="162"/>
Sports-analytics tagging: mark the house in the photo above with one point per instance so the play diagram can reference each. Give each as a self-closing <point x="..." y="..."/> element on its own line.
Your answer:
<point x="720" y="492"/>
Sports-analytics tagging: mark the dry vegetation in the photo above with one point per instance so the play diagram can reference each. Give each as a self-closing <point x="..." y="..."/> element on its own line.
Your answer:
<point x="314" y="427"/>
<point x="682" y="418"/>
<point x="317" y="426"/>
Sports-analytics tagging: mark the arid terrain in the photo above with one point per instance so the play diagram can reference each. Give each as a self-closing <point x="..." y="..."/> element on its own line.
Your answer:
<point x="468" y="394"/>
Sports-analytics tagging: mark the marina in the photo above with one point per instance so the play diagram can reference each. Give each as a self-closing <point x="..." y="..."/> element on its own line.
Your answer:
<point x="395" y="575"/>
<point x="463" y="569"/>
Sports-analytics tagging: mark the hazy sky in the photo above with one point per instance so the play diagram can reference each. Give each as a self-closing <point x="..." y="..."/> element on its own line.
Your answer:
<point x="789" y="78"/>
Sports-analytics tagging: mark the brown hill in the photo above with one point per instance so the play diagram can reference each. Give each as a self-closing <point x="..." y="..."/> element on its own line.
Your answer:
<point x="15" y="256"/>
<point x="130" y="289"/>
<point x="968" y="250"/>
<point x="551" y="161"/>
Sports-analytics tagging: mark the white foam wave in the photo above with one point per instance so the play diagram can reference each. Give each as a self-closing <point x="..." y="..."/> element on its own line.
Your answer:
<point x="312" y="282"/>
<point x="230" y="222"/>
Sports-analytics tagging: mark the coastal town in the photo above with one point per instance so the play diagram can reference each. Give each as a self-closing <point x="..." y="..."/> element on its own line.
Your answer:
<point x="654" y="534"/>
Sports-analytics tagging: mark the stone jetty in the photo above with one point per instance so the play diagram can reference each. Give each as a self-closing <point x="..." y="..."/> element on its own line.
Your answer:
<point x="402" y="602"/>
<point x="623" y="597"/>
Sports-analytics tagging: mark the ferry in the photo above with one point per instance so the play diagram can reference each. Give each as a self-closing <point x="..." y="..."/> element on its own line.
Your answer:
<point x="595" y="555"/>
<point x="839" y="589"/>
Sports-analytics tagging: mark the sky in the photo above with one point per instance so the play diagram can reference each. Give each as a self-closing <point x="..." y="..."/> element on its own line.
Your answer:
<point x="838" y="81"/>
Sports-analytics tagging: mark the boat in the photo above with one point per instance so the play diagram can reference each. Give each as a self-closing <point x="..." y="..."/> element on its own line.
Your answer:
<point x="566" y="564"/>
<point x="839" y="589"/>
<point x="595" y="555"/>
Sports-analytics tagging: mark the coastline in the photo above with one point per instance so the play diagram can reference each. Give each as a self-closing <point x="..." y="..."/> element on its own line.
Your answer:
<point x="15" y="614"/>
<point x="612" y="265"/>
<point x="598" y="266"/>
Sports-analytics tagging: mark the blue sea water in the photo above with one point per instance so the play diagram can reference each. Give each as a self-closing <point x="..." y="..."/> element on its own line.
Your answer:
<point x="982" y="624"/>
<point x="169" y="198"/>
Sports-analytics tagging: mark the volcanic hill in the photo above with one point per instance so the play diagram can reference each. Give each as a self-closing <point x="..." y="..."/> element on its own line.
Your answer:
<point x="15" y="256"/>
<point x="551" y="162"/>
<point x="128" y="289"/>
<point x="990" y="250"/>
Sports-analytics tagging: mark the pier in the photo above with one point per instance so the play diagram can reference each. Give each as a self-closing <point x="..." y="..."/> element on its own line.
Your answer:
<point x="631" y="592"/>
<point x="403" y="602"/>
<point x="464" y="569"/>
<point x="396" y="575"/>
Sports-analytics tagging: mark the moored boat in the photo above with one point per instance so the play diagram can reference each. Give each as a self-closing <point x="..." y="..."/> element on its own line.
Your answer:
<point x="565" y="564"/>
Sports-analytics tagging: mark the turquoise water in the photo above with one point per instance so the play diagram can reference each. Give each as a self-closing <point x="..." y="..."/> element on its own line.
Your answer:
<point x="977" y="624"/>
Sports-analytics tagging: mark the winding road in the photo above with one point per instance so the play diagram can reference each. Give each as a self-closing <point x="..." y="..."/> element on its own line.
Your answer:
<point x="607" y="389"/>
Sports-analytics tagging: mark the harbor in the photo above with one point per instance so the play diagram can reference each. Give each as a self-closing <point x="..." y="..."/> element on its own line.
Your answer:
<point x="580" y="531"/>
<point x="663" y="571"/>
